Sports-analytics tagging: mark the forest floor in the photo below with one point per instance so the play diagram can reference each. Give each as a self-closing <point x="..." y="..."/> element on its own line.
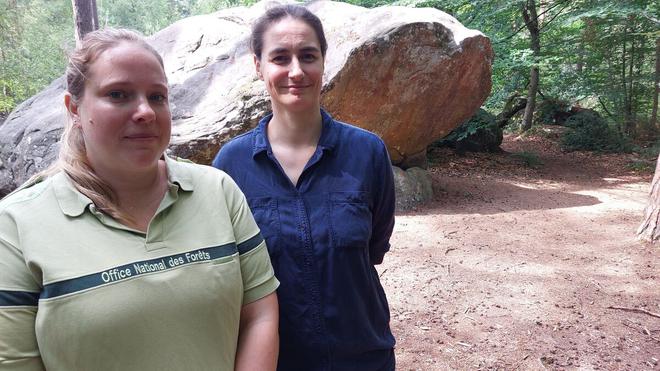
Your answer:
<point x="526" y="259"/>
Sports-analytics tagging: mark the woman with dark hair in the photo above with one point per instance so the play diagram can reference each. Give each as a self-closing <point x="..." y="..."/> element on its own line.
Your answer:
<point x="107" y="261"/>
<point x="322" y="194"/>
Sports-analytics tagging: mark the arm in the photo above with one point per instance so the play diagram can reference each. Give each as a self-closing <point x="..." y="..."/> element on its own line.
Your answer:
<point x="19" y="295"/>
<point x="258" y="340"/>
<point x="383" y="206"/>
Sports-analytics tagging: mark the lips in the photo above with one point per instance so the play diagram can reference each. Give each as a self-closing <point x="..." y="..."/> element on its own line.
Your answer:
<point x="297" y="89"/>
<point x="141" y="136"/>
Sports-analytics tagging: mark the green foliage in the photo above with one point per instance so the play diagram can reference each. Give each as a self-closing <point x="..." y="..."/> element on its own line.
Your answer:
<point x="28" y="60"/>
<point x="641" y="166"/>
<point x="479" y="133"/>
<point x="650" y="151"/>
<point x="482" y="120"/>
<point x="550" y="110"/>
<point x="590" y="132"/>
<point x="528" y="159"/>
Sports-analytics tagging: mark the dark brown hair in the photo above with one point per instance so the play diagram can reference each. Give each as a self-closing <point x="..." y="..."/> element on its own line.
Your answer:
<point x="275" y="14"/>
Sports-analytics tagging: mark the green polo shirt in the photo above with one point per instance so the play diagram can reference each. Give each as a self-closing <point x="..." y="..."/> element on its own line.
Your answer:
<point x="80" y="291"/>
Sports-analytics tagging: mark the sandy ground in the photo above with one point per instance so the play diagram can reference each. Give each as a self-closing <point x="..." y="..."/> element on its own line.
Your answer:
<point x="517" y="267"/>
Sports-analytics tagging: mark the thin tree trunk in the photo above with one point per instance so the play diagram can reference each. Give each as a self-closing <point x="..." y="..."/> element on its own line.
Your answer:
<point x="654" y="112"/>
<point x="630" y="123"/>
<point x="85" y="18"/>
<point x="622" y="128"/>
<point x="532" y="22"/>
<point x="531" y="99"/>
<point x="649" y="230"/>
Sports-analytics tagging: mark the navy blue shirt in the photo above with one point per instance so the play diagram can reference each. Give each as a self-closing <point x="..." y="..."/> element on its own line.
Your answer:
<point x="324" y="236"/>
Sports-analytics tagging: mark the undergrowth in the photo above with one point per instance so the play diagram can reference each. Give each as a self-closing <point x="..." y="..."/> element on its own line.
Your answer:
<point x="591" y="132"/>
<point x="528" y="159"/>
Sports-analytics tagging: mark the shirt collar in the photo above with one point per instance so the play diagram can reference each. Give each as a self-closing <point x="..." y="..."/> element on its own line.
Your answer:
<point x="328" y="140"/>
<point x="73" y="203"/>
<point x="178" y="173"/>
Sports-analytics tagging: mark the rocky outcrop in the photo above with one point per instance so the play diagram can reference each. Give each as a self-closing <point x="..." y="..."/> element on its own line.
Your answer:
<point x="28" y="137"/>
<point x="409" y="75"/>
<point x="413" y="188"/>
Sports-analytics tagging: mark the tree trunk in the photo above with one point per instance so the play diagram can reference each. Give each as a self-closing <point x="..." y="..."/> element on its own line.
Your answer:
<point x="630" y="124"/>
<point x="85" y="18"/>
<point x="528" y="116"/>
<point x="654" y="112"/>
<point x="626" y="117"/>
<point x="532" y="22"/>
<point x="514" y="104"/>
<point x="649" y="230"/>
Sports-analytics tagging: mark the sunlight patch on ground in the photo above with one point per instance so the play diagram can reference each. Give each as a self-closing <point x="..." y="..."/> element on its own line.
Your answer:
<point x="613" y="180"/>
<point x="614" y="199"/>
<point x="531" y="186"/>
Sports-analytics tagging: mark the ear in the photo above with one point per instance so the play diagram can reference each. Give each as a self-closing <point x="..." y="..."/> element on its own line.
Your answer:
<point x="257" y="67"/>
<point x="72" y="108"/>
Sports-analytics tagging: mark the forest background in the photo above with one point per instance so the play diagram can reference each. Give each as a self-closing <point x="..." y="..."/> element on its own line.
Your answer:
<point x="602" y="55"/>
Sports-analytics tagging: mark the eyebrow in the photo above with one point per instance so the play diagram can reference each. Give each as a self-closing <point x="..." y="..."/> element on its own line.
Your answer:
<point x="123" y="83"/>
<point x="303" y="49"/>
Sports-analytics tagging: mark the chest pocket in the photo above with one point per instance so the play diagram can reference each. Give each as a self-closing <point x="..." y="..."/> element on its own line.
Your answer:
<point x="350" y="219"/>
<point x="267" y="216"/>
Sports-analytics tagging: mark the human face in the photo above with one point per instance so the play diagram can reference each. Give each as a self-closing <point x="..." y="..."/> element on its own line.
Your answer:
<point x="291" y="65"/>
<point x="124" y="113"/>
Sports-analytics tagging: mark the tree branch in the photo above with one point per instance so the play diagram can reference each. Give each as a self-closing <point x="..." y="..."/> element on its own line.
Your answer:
<point x="525" y="25"/>
<point x="602" y="104"/>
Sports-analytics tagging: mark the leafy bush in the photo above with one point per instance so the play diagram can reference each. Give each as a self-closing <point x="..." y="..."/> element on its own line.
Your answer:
<point x="590" y="132"/>
<point x="479" y="134"/>
<point x="649" y="151"/>
<point x="641" y="166"/>
<point x="552" y="111"/>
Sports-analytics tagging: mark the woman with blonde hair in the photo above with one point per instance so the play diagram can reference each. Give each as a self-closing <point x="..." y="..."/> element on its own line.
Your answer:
<point x="120" y="257"/>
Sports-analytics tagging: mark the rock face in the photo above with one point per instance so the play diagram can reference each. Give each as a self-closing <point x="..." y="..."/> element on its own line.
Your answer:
<point x="409" y="75"/>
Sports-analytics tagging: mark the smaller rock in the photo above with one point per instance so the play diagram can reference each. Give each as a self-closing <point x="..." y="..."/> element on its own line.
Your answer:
<point x="413" y="187"/>
<point x="418" y="159"/>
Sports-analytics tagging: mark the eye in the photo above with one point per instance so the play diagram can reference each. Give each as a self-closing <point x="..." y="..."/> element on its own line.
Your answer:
<point x="308" y="57"/>
<point x="158" y="98"/>
<point x="117" y="95"/>
<point x="280" y="59"/>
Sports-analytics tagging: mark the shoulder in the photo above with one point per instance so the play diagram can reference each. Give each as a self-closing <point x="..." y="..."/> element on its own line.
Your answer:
<point x="355" y="136"/>
<point x="28" y="206"/>
<point x="238" y="144"/>
<point x="27" y="195"/>
<point x="204" y="178"/>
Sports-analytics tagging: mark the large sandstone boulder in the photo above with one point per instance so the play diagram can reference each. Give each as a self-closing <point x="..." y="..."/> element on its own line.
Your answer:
<point x="409" y="75"/>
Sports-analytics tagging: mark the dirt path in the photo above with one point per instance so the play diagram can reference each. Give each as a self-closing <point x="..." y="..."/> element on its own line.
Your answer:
<point x="514" y="267"/>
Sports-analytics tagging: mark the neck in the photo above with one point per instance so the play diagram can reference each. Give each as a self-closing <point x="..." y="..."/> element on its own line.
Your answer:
<point x="134" y="188"/>
<point x="295" y="128"/>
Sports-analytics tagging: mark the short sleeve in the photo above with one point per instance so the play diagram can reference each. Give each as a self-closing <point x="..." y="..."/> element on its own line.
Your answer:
<point x="383" y="205"/>
<point x="256" y="270"/>
<point x="19" y="296"/>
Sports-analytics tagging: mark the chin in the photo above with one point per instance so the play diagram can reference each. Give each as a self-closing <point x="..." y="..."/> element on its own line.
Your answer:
<point x="301" y="104"/>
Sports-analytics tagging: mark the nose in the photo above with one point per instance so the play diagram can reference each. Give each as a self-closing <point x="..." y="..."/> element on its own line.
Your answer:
<point x="144" y="113"/>
<point x="296" y="72"/>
